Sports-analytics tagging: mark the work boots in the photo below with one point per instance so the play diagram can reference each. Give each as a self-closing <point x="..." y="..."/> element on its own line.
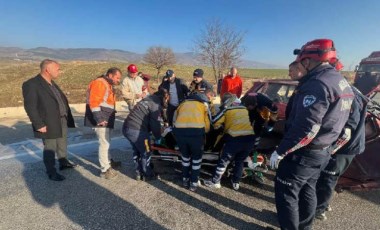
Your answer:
<point x="109" y="174"/>
<point x="211" y="184"/>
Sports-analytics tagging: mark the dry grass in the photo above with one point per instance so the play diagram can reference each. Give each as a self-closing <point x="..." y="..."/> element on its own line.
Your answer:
<point x="77" y="74"/>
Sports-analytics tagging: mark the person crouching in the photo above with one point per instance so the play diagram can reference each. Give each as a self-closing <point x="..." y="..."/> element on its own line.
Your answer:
<point x="145" y="118"/>
<point x="238" y="136"/>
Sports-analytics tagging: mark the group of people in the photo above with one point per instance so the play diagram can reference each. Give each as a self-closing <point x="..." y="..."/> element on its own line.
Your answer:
<point x="50" y="114"/>
<point x="324" y="130"/>
<point x="324" y="126"/>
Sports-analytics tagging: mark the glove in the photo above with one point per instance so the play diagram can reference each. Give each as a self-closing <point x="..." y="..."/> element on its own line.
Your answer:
<point x="275" y="159"/>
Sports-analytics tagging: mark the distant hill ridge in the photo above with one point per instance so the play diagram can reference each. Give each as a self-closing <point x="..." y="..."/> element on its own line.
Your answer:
<point x="100" y="54"/>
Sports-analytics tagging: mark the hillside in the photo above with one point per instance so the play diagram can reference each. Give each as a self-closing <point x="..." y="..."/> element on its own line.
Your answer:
<point x="77" y="74"/>
<point x="94" y="54"/>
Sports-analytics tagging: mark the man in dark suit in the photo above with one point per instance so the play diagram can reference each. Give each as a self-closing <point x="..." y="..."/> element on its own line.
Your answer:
<point x="48" y="110"/>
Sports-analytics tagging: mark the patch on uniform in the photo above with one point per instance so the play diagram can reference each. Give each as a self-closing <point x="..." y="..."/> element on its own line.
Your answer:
<point x="309" y="100"/>
<point x="343" y="84"/>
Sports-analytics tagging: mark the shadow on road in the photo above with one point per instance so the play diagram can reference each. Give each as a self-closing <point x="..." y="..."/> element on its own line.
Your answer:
<point x="206" y="208"/>
<point x="86" y="203"/>
<point x="82" y="201"/>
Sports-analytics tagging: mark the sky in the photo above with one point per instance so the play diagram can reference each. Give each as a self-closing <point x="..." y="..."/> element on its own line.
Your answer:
<point x="272" y="28"/>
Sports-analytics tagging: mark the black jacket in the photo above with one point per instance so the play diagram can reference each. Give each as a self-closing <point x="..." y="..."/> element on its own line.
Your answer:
<point x="42" y="108"/>
<point x="319" y="110"/>
<point x="182" y="90"/>
<point x="356" y="122"/>
<point x="200" y="87"/>
<point x="146" y="116"/>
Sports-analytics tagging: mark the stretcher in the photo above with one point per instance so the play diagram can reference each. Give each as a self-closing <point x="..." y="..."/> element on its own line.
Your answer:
<point x="254" y="166"/>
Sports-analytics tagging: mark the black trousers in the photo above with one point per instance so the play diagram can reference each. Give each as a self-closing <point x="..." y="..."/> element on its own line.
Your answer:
<point x="140" y="142"/>
<point x="295" y="192"/>
<point x="328" y="179"/>
<point x="235" y="149"/>
<point x="191" y="148"/>
<point x="170" y="113"/>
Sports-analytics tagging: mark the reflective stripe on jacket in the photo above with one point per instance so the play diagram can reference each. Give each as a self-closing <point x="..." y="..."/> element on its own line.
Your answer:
<point x="192" y="114"/>
<point x="236" y="122"/>
<point x="100" y="103"/>
<point x="100" y="94"/>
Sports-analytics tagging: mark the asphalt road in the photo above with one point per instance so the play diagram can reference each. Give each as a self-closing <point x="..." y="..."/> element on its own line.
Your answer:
<point x="28" y="200"/>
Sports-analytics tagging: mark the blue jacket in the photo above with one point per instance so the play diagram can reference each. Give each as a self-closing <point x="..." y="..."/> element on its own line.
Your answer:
<point x="356" y="123"/>
<point x="146" y="116"/>
<point x="318" y="112"/>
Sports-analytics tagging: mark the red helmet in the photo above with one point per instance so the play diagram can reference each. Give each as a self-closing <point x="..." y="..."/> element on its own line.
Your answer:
<point x="339" y="66"/>
<point x="319" y="50"/>
<point x="336" y="63"/>
<point x="132" y="68"/>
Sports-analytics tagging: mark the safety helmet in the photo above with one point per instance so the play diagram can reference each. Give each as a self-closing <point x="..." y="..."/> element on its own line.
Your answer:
<point x="321" y="50"/>
<point x="132" y="68"/>
<point x="336" y="63"/>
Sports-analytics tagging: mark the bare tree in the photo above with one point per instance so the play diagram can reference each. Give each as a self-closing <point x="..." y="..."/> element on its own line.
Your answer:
<point x="220" y="46"/>
<point x="158" y="57"/>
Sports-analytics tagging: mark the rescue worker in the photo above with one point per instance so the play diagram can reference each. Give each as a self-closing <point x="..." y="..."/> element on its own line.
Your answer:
<point x="262" y="115"/>
<point x="238" y="137"/>
<point x="296" y="72"/>
<point x="350" y="143"/>
<point x="100" y="114"/>
<point x="191" y="123"/>
<point x="132" y="87"/>
<point x="145" y="118"/>
<point x="319" y="112"/>
<point x="199" y="84"/>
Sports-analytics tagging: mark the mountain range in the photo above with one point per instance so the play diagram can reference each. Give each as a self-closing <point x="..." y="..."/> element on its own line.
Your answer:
<point x="99" y="54"/>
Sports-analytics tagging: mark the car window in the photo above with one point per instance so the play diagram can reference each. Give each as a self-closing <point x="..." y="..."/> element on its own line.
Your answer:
<point x="369" y="68"/>
<point x="278" y="92"/>
<point x="376" y="97"/>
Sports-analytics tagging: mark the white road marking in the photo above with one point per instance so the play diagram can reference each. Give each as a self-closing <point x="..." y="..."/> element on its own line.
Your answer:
<point x="34" y="148"/>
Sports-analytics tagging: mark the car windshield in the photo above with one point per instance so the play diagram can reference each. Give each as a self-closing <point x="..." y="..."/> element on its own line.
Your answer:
<point x="278" y="92"/>
<point x="369" y="68"/>
<point x="376" y="97"/>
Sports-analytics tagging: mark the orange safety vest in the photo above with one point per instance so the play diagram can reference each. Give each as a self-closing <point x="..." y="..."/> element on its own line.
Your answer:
<point x="100" y="93"/>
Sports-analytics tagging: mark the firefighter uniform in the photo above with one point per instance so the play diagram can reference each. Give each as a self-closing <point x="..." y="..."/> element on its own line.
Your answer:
<point x="144" y="118"/>
<point x="191" y="123"/>
<point x="345" y="152"/>
<point x="319" y="111"/>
